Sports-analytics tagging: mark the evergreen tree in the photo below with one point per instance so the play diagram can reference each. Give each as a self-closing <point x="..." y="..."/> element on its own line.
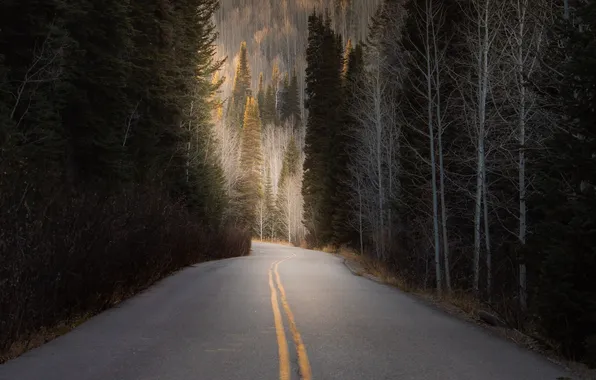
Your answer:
<point x="291" y="103"/>
<point x="269" y="114"/>
<point x="250" y="161"/>
<point x="353" y="75"/>
<point x="261" y="96"/>
<point x="565" y="206"/>
<point x="323" y="90"/>
<point x="283" y="98"/>
<point x="242" y="79"/>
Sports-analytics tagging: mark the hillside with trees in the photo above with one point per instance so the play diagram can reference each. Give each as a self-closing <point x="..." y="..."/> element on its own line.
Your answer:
<point x="259" y="142"/>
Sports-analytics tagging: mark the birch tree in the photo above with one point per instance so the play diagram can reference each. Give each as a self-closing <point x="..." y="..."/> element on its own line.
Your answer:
<point x="375" y="138"/>
<point x="525" y="31"/>
<point x="483" y="20"/>
<point x="424" y="79"/>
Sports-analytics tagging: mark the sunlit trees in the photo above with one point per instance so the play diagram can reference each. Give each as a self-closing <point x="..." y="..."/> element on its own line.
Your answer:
<point x="251" y="157"/>
<point x="269" y="112"/>
<point x="289" y="198"/>
<point x="242" y="81"/>
<point x="261" y="94"/>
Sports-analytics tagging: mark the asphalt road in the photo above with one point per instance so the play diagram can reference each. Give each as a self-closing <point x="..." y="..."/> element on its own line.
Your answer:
<point x="258" y="318"/>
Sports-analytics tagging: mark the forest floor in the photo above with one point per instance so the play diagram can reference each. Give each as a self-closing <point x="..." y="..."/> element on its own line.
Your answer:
<point x="459" y="304"/>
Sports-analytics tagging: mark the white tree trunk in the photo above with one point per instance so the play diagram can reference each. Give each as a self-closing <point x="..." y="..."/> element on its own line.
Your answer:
<point x="430" y="118"/>
<point x="487" y="241"/>
<point x="482" y="94"/>
<point x="438" y="87"/>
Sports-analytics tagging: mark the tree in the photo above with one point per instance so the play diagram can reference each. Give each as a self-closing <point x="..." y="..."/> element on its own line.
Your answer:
<point x="482" y="33"/>
<point x="289" y="199"/>
<point x="269" y="112"/>
<point x="291" y="103"/>
<point x="526" y="32"/>
<point x="242" y="79"/>
<point x="250" y="163"/>
<point x="424" y="87"/>
<point x="261" y="95"/>
<point x="323" y="89"/>
<point x="353" y="73"/>
<point x="266" y="208"/>
<point x="564" y="206"/>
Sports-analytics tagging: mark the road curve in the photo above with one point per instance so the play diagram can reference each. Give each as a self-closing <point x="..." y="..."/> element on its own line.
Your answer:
<point x="281" y="313"/>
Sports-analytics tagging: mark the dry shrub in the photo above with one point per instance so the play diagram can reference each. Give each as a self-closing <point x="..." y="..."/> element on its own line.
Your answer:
<point x="65" y="254"/>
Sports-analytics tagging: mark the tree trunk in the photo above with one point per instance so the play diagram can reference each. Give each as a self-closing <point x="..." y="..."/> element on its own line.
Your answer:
<point x="487" y="240"/>
<point x="481" y="106"/>
<point x="522" y="200"/>
<point x="430" y="118"/>
<point x="441" y="165"/>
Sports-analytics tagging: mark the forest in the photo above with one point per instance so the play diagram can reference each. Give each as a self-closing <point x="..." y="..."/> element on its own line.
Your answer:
<point x="109" y="174"/>
<point x="455" y="146"/>
<point x="449" y="141"/>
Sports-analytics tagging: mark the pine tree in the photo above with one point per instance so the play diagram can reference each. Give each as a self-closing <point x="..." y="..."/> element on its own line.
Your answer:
<point x="261" y="96"/>
<point x="250" y="161"/>
<point x="269" y="114"/>
<point x="353" y="72"/>
<point x="323" y="90"/>
<point x="242" y="80"/>
<point x="291" y="100"/>
<point x="283" y="98"/>
<point x="565" y="206"/>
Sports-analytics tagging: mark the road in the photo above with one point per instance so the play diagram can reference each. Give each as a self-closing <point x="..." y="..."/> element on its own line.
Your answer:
<point x="258" y="318"/>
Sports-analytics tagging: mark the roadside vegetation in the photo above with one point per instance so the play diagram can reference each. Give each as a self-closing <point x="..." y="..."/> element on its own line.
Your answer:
<point x="109" y="179"/>
<point x="454" y="149"/>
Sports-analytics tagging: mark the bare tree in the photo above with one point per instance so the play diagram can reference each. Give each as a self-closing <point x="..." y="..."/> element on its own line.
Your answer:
<point x="46" y="66"/>
<point x="227" y="150"/>
<point x="291" y="208"/>
<point x="525" y="30"/>
<point x="426" y="70"/>
<point x="483" y="20"/>
<point x="373" y="161"/>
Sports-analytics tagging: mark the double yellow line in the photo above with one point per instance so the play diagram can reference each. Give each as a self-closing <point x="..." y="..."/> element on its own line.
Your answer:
<point x="282" y="344"/>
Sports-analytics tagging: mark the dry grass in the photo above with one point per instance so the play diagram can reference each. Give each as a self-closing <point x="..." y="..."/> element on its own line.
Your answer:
<point x="66" y="255"/>
<point x="273" y="241"/>
<point x="41" y="337"/>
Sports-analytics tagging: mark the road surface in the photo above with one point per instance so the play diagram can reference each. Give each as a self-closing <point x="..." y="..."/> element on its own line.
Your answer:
<point x="281" y="313"/>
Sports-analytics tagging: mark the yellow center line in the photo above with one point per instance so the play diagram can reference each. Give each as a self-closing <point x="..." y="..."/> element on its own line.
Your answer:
<point x="305" y="370"/>
<point x="282" y="344"/>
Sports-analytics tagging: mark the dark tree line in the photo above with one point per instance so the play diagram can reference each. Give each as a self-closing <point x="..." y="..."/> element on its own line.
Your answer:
<point x="455" y="146"/>
<point x="109" y="180"/>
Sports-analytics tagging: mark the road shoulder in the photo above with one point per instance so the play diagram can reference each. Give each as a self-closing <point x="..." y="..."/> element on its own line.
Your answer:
<point x="469" y="313"/>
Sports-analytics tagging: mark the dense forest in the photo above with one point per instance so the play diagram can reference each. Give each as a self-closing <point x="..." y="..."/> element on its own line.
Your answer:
<point x="450" y="141"/>
<point x="109" y="176"/>
<point x="455" y="145"/>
